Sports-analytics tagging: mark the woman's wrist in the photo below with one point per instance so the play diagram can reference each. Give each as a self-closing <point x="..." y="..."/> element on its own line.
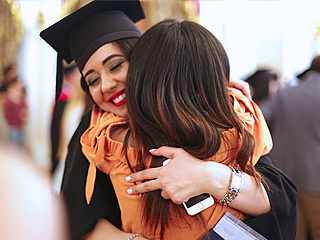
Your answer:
<point x="253" y="200"/>
<point x="219" y="177"/>
<point x="235" y="187"/>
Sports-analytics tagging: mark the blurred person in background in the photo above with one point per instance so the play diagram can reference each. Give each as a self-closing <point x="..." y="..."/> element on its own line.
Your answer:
<point x="259" y="85"/>
<point x="274" y="85"/>
<point x="15" y="110"/>
<point x="9" y="74"/>
<point x="294" y="119"/>
<point x="263" y="85"/>
<point x="29" y="209"/>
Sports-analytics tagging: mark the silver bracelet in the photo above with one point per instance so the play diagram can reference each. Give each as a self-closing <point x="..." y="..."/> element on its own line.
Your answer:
<point x="235" y="187"/>
<point x="135" y="235"/>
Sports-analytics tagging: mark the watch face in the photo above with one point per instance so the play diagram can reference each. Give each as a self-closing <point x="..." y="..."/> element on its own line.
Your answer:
<point x="236" y="181"/>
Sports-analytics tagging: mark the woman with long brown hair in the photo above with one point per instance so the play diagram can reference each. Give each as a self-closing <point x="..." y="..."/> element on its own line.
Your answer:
<point x="178" y="96"/>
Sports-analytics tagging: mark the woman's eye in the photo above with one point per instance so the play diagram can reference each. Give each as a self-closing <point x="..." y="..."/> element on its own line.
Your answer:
<point x="93" y="81"/>
<point x="116" y="66"/>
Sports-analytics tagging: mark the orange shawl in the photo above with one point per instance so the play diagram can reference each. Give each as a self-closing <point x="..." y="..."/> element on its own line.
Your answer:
<point x="93" y="143"/>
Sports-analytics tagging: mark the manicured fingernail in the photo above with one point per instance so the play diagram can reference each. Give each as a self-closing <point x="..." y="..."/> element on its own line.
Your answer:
<point x="165" y="162"/>
<point x="152" y="150"/>
<point x="128" y="179"/>
<point x="129" y="191"/>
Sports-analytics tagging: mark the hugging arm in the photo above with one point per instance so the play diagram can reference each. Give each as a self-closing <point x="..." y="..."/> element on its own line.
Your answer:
<point x="277" y="223"/>
<point x="186" y="176"/>
<point x="240" y="85"/>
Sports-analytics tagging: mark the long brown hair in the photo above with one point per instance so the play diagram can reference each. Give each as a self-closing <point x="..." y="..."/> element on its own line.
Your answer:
<point x="177" y="96"/>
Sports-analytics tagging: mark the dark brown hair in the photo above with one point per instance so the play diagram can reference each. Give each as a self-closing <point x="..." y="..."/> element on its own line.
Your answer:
<point x="177" y="96"/>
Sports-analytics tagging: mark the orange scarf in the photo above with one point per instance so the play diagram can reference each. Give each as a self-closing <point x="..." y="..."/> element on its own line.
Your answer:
<point x="93" y="142"/>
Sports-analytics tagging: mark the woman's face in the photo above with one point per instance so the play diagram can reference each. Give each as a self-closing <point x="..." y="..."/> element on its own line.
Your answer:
<point x="106" y="73"/>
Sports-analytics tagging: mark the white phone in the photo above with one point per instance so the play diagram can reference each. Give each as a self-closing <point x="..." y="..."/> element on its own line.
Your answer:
<point x="198" y="203"/>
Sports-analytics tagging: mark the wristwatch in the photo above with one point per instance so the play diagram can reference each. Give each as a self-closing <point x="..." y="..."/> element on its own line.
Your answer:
<point x="235" y="186"/>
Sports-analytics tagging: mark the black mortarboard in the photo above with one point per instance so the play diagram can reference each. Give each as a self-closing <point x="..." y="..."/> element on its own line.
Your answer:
<point x="80" y="34"/>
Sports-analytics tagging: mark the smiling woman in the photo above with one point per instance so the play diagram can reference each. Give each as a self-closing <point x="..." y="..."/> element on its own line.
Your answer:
<point x="99" y="37"/>
<point x="106" y="73"/>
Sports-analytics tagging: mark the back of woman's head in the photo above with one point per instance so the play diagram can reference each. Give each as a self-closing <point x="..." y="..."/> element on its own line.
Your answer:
<point x="177" y="96"/>
<point x="177" y="88"/>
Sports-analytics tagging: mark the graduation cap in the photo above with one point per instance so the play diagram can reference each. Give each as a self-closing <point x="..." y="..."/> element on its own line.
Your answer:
<point x="80" y="34"/>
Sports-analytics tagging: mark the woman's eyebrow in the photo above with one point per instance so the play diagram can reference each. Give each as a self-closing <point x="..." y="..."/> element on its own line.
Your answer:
<point x="87" y="73"/>
<point x="104" y="62"/>
<point x="110" y="57"/>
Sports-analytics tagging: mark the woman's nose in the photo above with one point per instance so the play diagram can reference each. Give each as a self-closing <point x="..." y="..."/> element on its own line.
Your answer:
<point x="108" y="84"/>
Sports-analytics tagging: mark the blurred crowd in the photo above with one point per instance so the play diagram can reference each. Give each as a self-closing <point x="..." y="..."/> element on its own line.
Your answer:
<point x="294" y="121"/>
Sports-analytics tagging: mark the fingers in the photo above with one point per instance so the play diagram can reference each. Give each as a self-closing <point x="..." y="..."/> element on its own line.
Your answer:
<point x="148" y="186"/>
<point x="168" y="152"/>
<point x="246" y="91"/>
<point x="244" y="87"/>
<point x="147" y="174"/>
<point x="151" y="185"/>
<point x="165" y="195"/>
<point x="241" y="85"/>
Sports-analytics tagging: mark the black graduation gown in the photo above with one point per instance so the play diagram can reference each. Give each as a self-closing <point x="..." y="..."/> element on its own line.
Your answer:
<point x="55" y="132"/>
<point x="279" y="224"/>
<point x="104" y="204"/>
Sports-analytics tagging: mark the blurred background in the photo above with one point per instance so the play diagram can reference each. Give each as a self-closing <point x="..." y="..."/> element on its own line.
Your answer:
<point x="280" y="36"/>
